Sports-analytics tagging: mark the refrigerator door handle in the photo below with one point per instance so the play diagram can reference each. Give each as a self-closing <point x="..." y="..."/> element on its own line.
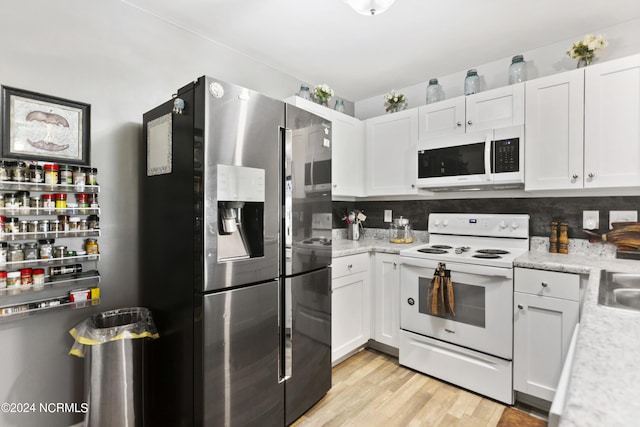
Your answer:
<point x="286" y="313"/>
<point x="287" y="135"/>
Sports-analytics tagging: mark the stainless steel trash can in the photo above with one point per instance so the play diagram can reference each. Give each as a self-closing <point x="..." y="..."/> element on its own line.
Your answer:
<point x="115" y="341"/>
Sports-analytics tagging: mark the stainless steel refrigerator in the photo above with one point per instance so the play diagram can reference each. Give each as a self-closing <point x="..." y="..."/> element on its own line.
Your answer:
<point x="235" y="244"/>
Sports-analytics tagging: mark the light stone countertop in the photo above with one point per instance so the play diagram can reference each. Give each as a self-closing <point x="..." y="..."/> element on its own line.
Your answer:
<point x="344" y="247"/>
<point x="604" y="383"/>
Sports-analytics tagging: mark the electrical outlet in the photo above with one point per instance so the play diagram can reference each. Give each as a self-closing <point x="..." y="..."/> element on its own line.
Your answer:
<point x="622" y="216"/>
<point x="590" y="220"/>
<point x="387" y="215"/>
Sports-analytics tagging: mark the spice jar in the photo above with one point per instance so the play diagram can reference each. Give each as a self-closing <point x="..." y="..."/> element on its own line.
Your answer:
<point x="3" y="253"/>
<point x="3" y="228"/>
<point x="48" y="202"/>
<point x="38" y="278"/>
<point x="66" y="175"/>
<point x="93" y="201"/>
<point x="83" y="202"/>
<point x="35" y="202"/>
<point x="11" y="225"/>
<point x="3" y="279"/>
<point x="58" y="251"/>
<point x="2" y="200"/>
<point x="4" y="171"/>
<point x="51" y="173"/>
<point x="43" y="226"/>
<point x="66" y="269"/>
<point x="91" y="246"/>
<point x="11" y="203"/>
<point x="91" y="176"/>
<point x="23" y="202"/>
<point x="61" y="202"/>
<point x="26" y="278"/>
<point x="83" y="226"/>
<point x="46" y="248"/>
<point x="15" y="255"/>
<point x="13" y="279"/>
<point x="64" y="222"/>
<point x="19" y="172"/>
<point x="54" y="225"/>
<point x="93" y="222"/>
<point x="79" y="177"/>
<point x="36" y="174"/>
<point x="30" y="251"/>
<point x="563" y="238"/>
<point x="553" y="237"/>
<point x="23" y="226"/>
<point x="33" y="226"/>
<point x="74" y="223"/>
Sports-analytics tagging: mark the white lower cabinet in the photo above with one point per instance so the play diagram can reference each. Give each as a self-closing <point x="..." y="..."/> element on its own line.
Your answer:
<point x="385" y="313"/>
<point x="546" y="310"/>
<point x="350" y="301"/>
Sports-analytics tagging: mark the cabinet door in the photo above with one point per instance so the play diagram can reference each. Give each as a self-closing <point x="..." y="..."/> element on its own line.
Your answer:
<point x="554" y="132"/>
<point x="350" y="322"/>
<point x="612" y="124"/>
<point x="385" y="315"/>
<point x="542" y="334"/>
<point x="495" y="108"/>
<point x="392" y="157"/>
<point x="442" y="118"/>
<point x="347" y="162"/>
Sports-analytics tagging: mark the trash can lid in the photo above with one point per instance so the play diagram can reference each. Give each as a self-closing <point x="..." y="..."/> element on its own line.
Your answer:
<point x="113" y="325"/>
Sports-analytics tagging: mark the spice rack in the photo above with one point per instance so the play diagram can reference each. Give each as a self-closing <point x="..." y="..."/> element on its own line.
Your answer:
<point x="71" y="279"/>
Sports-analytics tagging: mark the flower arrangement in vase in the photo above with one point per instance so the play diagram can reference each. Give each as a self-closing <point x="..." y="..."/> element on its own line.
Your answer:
<point x="394" y="101"/>
<point x="323" y="94"/>
<point x="584" y="50"/>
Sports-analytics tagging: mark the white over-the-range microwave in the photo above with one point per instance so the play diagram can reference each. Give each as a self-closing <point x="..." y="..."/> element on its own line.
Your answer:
<point x="483" y="160"/>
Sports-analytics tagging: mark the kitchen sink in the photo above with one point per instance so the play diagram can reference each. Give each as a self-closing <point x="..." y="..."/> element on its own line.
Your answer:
<point x="620" y="290"/>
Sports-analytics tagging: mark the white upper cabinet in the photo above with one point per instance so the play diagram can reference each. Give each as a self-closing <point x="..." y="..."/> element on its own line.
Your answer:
<point x="348" y="156"/>
<point x="391" y="146"/>
<point x="612" y="124"/>
<point x="496" y="108"/>
<point x="347" y="149"/>
<point x="554" y="131"/>
<point x="583" y="128"/>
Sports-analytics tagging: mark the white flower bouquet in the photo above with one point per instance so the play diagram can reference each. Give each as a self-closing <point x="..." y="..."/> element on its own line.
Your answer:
<point x="585" y="49"/>
<point x="322" y="93"/>
<point x="394" y="101"/>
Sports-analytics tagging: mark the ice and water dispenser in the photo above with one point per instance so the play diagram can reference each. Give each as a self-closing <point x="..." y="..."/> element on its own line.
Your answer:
<point x="240" y="193"/>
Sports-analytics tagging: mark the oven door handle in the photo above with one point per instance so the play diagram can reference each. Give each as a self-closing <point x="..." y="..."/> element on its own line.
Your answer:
<point x="479" y="270"/>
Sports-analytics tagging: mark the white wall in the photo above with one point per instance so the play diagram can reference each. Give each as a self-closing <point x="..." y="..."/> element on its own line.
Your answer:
<point x="122" y="62"/>
<point x="624" y="40"/>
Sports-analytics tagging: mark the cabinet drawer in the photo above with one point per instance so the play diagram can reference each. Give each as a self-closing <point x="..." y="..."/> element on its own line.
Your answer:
<point x="351" y="264"/>
<point x="547" y="283"/>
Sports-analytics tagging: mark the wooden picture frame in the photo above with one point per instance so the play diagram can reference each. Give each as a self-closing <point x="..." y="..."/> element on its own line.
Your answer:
<point x="43" y="127"/>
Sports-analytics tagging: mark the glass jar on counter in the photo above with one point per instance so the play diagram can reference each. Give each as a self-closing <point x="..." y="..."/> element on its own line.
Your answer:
<point x="36" y="174"/>
<point x="472" y="82"/>
<point x="46" y="248"/>
<point x="51" y="173"/>
<point x="400" y="231"/>
<point x="434" y="92"/>
<point x="66" y="175"/>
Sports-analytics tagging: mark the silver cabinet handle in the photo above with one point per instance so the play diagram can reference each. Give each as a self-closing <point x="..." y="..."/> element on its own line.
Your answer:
<point x="591" y="175"/>
<point x="413" y="186"/>
<point x="335" y="185"/>
<point x="544" y="285"/>
<point x="395" y="264"/>
<point x="459" y="123"/>
<point x="469" y="122"/>
<point x="520" y="306"/>
<point x="575" y="176"/>
<point x="350" y="266"/>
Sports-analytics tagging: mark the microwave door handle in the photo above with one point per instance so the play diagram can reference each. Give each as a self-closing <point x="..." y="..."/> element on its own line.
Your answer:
<point x="487" y="156"/>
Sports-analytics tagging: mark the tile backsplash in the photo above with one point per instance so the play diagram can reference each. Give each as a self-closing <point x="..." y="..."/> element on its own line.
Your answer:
<point x="542" y="210"/>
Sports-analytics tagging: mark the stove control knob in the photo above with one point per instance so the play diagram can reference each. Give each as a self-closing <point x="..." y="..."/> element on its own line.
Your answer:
<point x="445" y="222"/>
<point x="436" y="223"/>
<point x="502" y="225"/>
<point x="514" y="225"/>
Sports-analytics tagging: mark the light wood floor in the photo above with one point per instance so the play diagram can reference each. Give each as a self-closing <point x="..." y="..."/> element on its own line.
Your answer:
<point x="371" y="389"/>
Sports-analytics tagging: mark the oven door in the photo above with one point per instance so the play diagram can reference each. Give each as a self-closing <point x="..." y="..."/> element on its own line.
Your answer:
<point x="457" y="161"/>
<point x="483" y="305"/>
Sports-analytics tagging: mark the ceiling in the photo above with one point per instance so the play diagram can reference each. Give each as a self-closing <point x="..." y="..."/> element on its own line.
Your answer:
<point x="325" y="41"/>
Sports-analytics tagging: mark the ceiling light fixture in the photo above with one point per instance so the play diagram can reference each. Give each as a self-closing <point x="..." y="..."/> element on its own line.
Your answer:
<point x="370" y="7"/>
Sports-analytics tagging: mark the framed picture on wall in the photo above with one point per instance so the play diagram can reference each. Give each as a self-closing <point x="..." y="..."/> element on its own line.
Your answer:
<point x="42" y="127"/>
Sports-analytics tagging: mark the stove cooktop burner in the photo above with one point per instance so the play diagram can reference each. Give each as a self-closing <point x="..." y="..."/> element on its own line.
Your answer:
<point x="442" y="247"/>
<point x="487" y="255"/>
<point x="433" y="250"/>
<point x="492" y="251"/>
